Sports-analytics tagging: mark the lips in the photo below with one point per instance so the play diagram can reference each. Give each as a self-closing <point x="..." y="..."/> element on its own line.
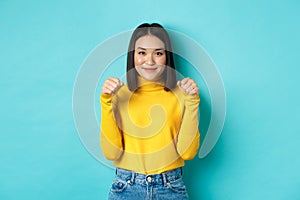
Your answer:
<point x="149" y="69"/>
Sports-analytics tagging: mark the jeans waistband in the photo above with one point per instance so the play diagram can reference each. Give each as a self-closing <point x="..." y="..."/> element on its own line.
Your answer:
<point x="163" y="178"/>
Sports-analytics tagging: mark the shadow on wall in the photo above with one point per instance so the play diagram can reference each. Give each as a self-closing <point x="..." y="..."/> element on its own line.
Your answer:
<point x="197" y="173"/>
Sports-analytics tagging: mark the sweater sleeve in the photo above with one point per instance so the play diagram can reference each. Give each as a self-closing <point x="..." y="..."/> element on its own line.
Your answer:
<point x="110" y="137"/>
<point x="188" y="139"/>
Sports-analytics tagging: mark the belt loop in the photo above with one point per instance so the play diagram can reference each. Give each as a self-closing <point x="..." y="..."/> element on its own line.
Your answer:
<point x="181" y="171"/>
<point x="132" y="176"/>
<point x="164" y="178"/>
<point x="116" y="171"/>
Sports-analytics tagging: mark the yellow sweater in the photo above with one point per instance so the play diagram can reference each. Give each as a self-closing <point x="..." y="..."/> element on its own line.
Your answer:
<point x="150" y="130"/>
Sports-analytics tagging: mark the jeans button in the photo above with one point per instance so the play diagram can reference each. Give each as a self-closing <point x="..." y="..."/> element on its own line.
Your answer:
<point x="149" y="178"/>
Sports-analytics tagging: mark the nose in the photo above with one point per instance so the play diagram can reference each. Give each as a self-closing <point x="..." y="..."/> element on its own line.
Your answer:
<point x="149" y="60"/>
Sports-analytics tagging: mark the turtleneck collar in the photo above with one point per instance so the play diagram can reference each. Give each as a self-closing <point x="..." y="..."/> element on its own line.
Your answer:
<point x="145" y="85"/>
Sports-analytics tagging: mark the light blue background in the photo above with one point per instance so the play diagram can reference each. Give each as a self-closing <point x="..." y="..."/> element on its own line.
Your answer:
<point x="255" y="45"/>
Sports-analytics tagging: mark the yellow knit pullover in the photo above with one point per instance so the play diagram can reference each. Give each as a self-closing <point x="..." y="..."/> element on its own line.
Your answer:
<point x="150" y="130"/>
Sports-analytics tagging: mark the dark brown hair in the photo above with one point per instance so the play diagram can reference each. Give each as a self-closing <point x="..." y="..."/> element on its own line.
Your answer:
<point x="169" y="75"/>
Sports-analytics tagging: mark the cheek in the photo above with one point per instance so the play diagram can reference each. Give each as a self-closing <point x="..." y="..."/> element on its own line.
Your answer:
<point x="161" y="61"/>
<point x="138" y="60"/>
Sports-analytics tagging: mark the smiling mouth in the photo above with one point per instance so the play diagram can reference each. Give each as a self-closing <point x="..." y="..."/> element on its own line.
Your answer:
<point x="149" y="69"/>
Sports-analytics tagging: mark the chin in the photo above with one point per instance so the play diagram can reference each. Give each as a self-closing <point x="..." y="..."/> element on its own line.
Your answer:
<point x="151" y="78"/>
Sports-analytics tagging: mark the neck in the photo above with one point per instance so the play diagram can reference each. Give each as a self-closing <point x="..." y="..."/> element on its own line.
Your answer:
<point x="146" y="85"/>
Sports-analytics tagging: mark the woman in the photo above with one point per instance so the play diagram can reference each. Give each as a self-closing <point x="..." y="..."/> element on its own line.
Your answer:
<point x="149" y="126"/>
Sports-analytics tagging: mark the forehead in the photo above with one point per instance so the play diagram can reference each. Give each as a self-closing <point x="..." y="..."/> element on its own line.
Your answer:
<point x="149" y="42"/>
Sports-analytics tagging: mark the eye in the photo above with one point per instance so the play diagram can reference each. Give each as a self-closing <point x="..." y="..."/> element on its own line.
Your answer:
<point x="141" y="52"/>
<point x="158" y="53"/>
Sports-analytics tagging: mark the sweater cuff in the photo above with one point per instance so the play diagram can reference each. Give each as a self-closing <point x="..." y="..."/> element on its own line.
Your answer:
<point x="192" y="99"/>
<point x="106" y="99"/>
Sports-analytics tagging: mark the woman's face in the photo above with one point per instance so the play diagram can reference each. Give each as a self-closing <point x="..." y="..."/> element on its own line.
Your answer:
<point x="150" y="57"/>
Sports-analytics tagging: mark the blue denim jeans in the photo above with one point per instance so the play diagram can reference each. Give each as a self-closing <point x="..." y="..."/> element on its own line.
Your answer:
<point x="129" y="185"/>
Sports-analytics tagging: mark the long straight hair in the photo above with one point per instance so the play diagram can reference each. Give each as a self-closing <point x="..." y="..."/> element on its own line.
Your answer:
<point x="169" y="74"/>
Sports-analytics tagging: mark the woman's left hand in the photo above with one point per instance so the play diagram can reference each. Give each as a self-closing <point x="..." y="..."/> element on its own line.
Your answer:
<point x="188" y="86"/>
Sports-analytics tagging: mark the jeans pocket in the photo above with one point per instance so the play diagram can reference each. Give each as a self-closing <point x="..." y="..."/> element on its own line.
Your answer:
<point x="177" y="186"/>
<point x="118" y="185"/>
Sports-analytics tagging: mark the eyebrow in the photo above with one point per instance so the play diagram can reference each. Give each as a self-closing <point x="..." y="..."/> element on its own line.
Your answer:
<point x="146" y="49"/>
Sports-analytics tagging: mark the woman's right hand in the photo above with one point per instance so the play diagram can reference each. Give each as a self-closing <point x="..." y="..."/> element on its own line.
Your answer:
<point x="111" y="86"/>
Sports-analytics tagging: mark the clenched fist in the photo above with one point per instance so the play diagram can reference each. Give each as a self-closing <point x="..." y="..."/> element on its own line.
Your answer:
<point x="188" y="86"/>
<point x="111" y="86"/>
